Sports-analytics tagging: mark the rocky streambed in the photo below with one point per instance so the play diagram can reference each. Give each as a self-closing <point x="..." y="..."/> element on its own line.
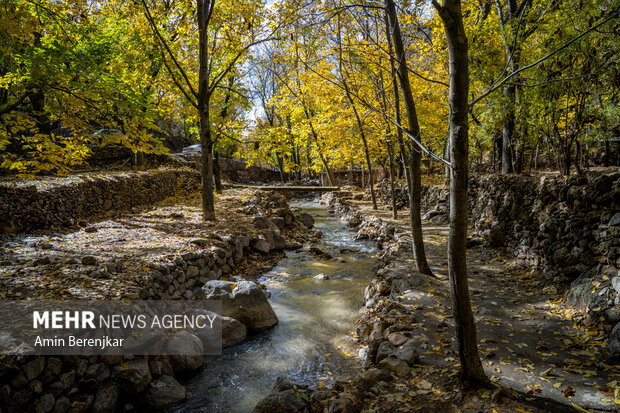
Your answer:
<point x="316" y="292"/>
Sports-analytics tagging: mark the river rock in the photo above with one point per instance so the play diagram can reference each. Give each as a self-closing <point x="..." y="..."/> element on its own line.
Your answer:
<point x="321" y="277"/>
<point x="164" y="392"/>
<point x="286" y="401"/>
<point x="186" y="352"/>
<point x="134" y="377"/>
<point x="306" y="219"/>
<point x="244" y="301"/>
<point x="233" y="331"/>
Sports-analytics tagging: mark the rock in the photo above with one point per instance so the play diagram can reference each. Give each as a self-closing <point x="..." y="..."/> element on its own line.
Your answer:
<point x="397" y="339"/>
<point x="164" y="392"/>
<point x="105" y="400"/>
<point x="62" y="405"/>
<point x="407" y="352"/>
<point x="89" y="260"/>
<point x="615" y="220"/>
<point x="287" y="401"/>
<point x="263" y="223"/>
<point x="233" y="331"/>
<point x="321" y="277"/>
<point x="293" y="246"/>
<point x="185" y="352"/>
<point x="563" y="258"/>
<point x="90" y="229"/>
<point x="383" y="287"/>
<point x="495" y="236"/>
<point x="34" y="368"/>
<point x="430" y="214"/>
<point x="245" y="302"/>
<point x="261" y="246"/>
<point x="192" y="271"/>
<point x="278" y="222"/>
<point x="395" y="364"/>
<point x="613" y="344"/>
<point x="371" y="377"/>
<point x="284" y="383"/>
<point x="306" y="219"/>
<point x="385" y="350"/>
<point x="134" y="377"/>
<point x="45" y="403"/>
<point x="343" y="404"/>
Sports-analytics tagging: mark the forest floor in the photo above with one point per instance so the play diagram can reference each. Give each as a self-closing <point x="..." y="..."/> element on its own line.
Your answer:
<point x="529" y="339"/>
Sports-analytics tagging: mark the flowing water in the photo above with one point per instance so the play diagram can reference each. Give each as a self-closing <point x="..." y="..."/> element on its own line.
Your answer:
<point x="312" y="341"/>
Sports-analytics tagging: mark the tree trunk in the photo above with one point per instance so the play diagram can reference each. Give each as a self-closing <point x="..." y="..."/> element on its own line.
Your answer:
<point x="471" y="366"/>
<point x="392" y="190"/>
<point x="204" y="97"/>
<point x="217" y="173"/>
<point x="508" y="130"/>
<point x="414" y="129"/>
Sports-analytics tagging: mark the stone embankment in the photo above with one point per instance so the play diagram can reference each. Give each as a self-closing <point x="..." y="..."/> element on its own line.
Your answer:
<point x="62" y="202"/>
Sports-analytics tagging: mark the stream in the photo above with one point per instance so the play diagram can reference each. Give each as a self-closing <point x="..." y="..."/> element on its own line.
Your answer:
<point x="312" y="341"/>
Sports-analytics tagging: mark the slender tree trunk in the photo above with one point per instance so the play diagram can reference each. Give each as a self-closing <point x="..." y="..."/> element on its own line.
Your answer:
<point x="508" y="130"/>
<point x="392" y="190"/>
<point x="204" y="97"/>
<point x="414" y="128"/>
<point x="471" y="366"/>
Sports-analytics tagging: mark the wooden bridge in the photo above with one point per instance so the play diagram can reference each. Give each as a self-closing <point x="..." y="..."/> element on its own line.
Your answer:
<point x="284" y="188"/>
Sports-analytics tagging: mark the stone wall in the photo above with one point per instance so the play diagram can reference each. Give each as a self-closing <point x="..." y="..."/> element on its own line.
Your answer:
<point x="62" y="202"/>
<point x="567" y="228"/>
<point x="561" y="226"/>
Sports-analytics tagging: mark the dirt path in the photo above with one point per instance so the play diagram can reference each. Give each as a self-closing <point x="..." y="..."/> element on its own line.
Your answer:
<point x="527" y="338"/>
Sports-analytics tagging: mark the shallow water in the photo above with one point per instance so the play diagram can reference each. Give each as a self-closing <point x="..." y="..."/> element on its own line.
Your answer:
<point x="316" y="318"/>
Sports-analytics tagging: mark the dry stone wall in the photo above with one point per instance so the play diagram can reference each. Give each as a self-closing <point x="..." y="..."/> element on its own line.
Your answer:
<point x="61" y="203"/>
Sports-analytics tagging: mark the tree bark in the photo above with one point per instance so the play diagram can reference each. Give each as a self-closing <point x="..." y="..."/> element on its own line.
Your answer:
<point x="392" y="190"/>
<point x="415" y="155"/>
<point x="217" y="173"/>
<point x="204" y="97"/>
<point x="471" y="366"/>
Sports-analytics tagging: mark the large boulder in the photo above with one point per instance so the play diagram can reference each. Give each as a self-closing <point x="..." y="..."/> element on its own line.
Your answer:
<point x="233" y="331"/>
<point x="186" y="352"/>
<point x="243" y="301"/>
<point x="164" y="392"/>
